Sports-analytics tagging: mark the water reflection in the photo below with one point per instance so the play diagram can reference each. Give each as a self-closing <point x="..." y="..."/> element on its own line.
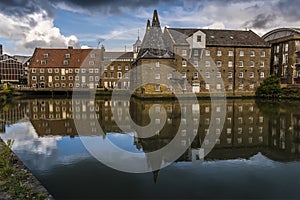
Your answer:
<point x="256" y="134"/>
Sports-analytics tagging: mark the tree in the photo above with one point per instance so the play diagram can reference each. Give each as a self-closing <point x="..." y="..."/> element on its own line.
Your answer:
<point x="270" y="87"/>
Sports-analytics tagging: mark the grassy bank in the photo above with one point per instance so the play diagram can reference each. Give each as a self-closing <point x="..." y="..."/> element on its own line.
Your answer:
<point x="15" y="180"/>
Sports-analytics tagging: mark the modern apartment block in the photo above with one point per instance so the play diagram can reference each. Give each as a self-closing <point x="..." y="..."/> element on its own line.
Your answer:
<point x="11" y="70"/>
<point x="285" y="56"/>
<point x="241" y="60"/>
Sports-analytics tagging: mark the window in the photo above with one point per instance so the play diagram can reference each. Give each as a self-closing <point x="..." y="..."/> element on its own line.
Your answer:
<point x="207" y="86"/>
<point x="96" y="71"/>
<point x="91" y="71"/>
<point x="92" y="55"/>
<point x="157" y="87"/>
<point x="218" y="75"/>
<point x="70" y="78"/>
<point x="207" y="53"/>
<point x="262" y="64"/>
<point x="91" y="62"/>
<point x="230" y="64"/>
<point x="33" y="71"/>
<point x="207" y="74"/>
<point x="105" y="74"/>
<point x="91" y="78"/>
<point x="229" y="86"/>
<point x="66" y="62"/>
<point x="183" y="52"/>
<point x="196" y="52"/>
<point x="286" y="47"/>
<point x="56" y="70"/>
<point x="49" y="70"/>
<point x="251" y="74"/>
<point x="229" y="74"/>
<point x="198" y="38"/>
<point x="195" y="75"/>
<point x="219" y="53"/>
<point x="251" y="86"/>
<point x="157" y="64"/>
<point x="183" y="74"/>
<point x="96" y="78"/>
<point x="183" y="63"/>
<point x="241" y="87"/>
<point x="77" y="78"/>
<point x="230" y="53"/>
<point x="83" y="70"/>
<point x="46" y="55"/>
<point x="43" y="62"/>
<point x="252" y="63"/>
<point x="207" y="63"/>
<point x="242" y="53"/>
<point x="34" y="78"/>
<point x="112" y="74"/>
<point x="57" y="78"/>
<point x="63" y="78"/>
<point x="70" y="85"/>
<point x="219" y="87"/>
<point x="219" y="63"/>
<point x="119" y="74"/>
<point x="169" y="76"/>
<point x="126" y="67"/>
<point x="111" y="67"/>
<point x="70" y="71"/>
<point x="63" y="85"/>
<point x="241" y="75"/>
<point x="157" y="75"/>
<point x="263" y="54"/>
<point x="262" y="74"/>
<point x="57" y="85"/>
<point x="252" y="53"/>
<point x="68" y="55"/>
<point x="241" y="64"/>
<point x="196" y="63"/>
<point x="42" y="71"/>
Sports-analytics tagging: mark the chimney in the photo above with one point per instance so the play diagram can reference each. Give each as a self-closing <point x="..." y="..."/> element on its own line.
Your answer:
<point x="70" y="47"/>
<point x="1" y="50"/>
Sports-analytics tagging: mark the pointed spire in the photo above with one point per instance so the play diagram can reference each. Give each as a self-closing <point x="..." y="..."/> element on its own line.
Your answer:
<point x="148" y="25"/>
<point x="155" y="175"/>
<point x="138" y="34"/>
<point x="155" y="20"/>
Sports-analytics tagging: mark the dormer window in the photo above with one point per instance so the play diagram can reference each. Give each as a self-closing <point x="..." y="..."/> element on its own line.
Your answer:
<point x="198" y="38"/>
<point x="68" y="55"/>
<point x="46" y="55"/>
<point x="66" y="62"/>
<point x="43" y="62"/>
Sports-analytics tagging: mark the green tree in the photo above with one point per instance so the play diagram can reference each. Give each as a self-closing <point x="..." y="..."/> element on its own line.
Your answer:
<point x="270" y="87"/>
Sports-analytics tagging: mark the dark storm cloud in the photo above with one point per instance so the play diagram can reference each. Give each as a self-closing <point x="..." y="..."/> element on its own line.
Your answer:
<point x="261" y="21"/>
<point x="290" y="9"/>
<point x="21" y="8"/>
<point x="110" y="6"/>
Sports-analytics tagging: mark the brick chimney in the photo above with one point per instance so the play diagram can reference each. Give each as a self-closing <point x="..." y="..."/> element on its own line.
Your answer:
<point x="1" y="50"/>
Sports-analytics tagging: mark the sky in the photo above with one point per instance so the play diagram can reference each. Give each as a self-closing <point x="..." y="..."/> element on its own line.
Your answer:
<point x="27" y="24"/>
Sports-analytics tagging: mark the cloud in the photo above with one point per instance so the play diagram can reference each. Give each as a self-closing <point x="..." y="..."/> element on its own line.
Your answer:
<point x="29" y="24"/>
<point x="261" y="21"/>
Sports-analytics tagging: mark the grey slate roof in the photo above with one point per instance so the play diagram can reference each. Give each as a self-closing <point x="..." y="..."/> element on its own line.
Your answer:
<point x="219" y="37"/>
<point x="153" y="45"/>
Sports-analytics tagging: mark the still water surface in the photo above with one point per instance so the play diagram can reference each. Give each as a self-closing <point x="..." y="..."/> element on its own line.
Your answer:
<point x="256" y="155"/>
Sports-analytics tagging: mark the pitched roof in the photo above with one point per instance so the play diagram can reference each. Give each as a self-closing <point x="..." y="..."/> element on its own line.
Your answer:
<point x="153" y="45"/>
<point x="56" y="57"/>
<point x="281" y="33"/>
<point x="115" y="54"/>
<point x="219" y="37"/>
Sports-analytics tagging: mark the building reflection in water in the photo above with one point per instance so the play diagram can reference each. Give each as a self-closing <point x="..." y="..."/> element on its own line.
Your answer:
<point x="250" y="126"/>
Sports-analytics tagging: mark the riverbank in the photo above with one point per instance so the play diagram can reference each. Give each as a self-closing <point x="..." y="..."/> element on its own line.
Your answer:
<point x="16" y="182"/>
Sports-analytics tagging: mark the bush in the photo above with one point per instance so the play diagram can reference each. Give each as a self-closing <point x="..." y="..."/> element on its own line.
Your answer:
<point x="270" y="87"/>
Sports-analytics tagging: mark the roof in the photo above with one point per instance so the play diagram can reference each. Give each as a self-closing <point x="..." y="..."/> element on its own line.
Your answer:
<point x="153" y="45"/>
<point x="115" y="54"/>
<point x="22" y="59"/>
<point x="280" y="33"/>
<point x="56" y="57"/>
<point x="219" y="37"/>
